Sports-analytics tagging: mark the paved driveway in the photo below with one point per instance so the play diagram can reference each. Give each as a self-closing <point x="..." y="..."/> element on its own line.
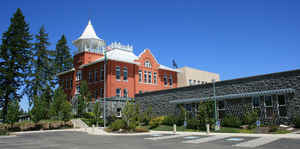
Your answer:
<point x="81" y="140"/>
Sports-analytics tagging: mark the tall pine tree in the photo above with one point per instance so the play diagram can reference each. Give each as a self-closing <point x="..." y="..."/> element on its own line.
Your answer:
<point x="63" y="58"/>
<point x="42" y="73"/>
<point x="15" y="56"/>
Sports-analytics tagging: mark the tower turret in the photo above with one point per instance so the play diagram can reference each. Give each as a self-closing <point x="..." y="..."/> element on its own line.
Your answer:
<point x="89" y="41"/>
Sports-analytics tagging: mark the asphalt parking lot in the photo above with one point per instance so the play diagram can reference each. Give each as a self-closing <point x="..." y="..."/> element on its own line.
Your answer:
<point x="81" y="140"/>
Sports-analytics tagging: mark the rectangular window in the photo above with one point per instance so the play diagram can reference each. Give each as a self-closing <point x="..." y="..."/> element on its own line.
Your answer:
<point x="119" y="112"/>
<point x="101" y="92"/>
<point x="282" y="106"/>
<point x="268" y="101"/>
<point x="140" y="75"/>
<point x="171" y="80"/>
<point x="165" y="80"/>
<point x="155" y="78"/>
<point x="118" y="73"/>
<point x="221" y="105"/>
<point x="268" y="106"/>
<point x="78" y="75"/>
<point x="78" y="89"/>
<point x="145" y="76"/>
<point x="96" y="94"/>
<point x="149" y="77"/>
<point x="96" y="75"/>
<point x="125" y="93"/>
<point x="90" y="76"/>
<point x="190" y="82"/>
<point x="101" y="74"/>
<point x="125" y="74"/>
<point x="71" y="83"/>
<point x="255" y="102"/>
<point x="118" y="92"/>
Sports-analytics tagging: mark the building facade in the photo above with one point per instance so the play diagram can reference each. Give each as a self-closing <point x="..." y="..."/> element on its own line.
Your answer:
<point x="123" y="73"/>
<point x="275" y="96"/>
<point x="190" y="76"/>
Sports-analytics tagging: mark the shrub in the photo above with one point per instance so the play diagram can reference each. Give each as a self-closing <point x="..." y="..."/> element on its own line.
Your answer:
<point x="273" y="128"/>
<point x="3" y="132"/>
<point x="155" y="122"/>
<point x="297" y="122"/>
<point x="193" y="124"/>
<point x="169" y="120"/>
<point x="250" y="118"/>
<point x="117" y="125"/>
<point x="232" y="121"/>
<point x="88" y="115"/>
<point x="140" y="129"/>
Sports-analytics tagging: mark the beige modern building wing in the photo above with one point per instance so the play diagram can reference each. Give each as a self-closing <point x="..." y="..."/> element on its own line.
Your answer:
<point x="191" y="76"/>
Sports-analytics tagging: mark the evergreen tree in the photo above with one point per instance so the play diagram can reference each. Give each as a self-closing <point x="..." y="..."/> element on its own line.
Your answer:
<point x="57" y="104"/>
<point x="40" y="109"/>
<point x="42" y="73"/>
<point x="83" y="98"/>
<point x="13" y="112"/>
<point x="63" y="58"/>
<point x="15" y="56"/>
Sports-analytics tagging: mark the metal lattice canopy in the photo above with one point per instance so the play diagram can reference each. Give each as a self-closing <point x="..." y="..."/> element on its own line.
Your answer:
<point x="235" y="96"/>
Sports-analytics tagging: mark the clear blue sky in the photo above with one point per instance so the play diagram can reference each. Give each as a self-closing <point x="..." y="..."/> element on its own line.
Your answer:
<point x="235" y="38"/>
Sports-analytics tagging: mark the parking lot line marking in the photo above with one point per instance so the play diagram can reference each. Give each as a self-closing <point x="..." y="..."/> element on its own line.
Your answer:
<point x="207" y="139"/>
<point x="166" y="137"/>
<point x="257" y="142"/>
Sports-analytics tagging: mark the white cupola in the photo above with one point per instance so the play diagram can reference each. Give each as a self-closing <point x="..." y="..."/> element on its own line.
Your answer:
<point x="89" y="41"/>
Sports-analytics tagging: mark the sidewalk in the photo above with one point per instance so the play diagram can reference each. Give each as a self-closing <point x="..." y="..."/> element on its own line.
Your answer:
<point x="100" y="131"/>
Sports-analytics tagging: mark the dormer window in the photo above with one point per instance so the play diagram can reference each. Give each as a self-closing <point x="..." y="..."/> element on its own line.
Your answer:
<point x="147" y="64"/>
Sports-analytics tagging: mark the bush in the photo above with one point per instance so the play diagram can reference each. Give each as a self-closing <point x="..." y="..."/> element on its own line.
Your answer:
<point x="250" y="118"/>
<point x="297" y="122"/>
<point x="232" y="121"/>
<point x="273" y="128"/>
<point x="193" y="124"/>
<point x="155" y="122"/>
<point x="140" y="129"/>
<point x="117" y="125"/>
<point x="3" y="132"/>
<point x="89" y="115"/>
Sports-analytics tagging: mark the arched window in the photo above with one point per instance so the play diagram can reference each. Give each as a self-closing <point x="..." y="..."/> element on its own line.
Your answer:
<point x="147" y="64"/>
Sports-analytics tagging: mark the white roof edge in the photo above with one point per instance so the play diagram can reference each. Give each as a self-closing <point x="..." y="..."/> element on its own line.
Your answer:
<point x="168" y="68"/>
<point x="64" y="72"/>
<point x="102" y="59"/>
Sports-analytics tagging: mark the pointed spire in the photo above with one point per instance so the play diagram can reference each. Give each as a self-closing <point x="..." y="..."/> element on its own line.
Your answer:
<point x="89" y="32"/>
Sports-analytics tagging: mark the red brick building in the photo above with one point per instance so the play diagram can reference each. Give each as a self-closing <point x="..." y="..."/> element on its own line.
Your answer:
<point x="126" y="73"/>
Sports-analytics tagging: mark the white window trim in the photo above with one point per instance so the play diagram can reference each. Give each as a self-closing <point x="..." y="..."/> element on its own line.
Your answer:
<point x="149" y="77"/>
<point x="155" y="78"/>
<point x="166" y="78"/>
<point x="140" y="76"/>
<point x="126" y="93"/>
<point x="118" y="67"/>
<point x="145" y="77"/>
<point x="120" y="92"/>
<point x="125" y="68"/>
<point x="171" y="80"/>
